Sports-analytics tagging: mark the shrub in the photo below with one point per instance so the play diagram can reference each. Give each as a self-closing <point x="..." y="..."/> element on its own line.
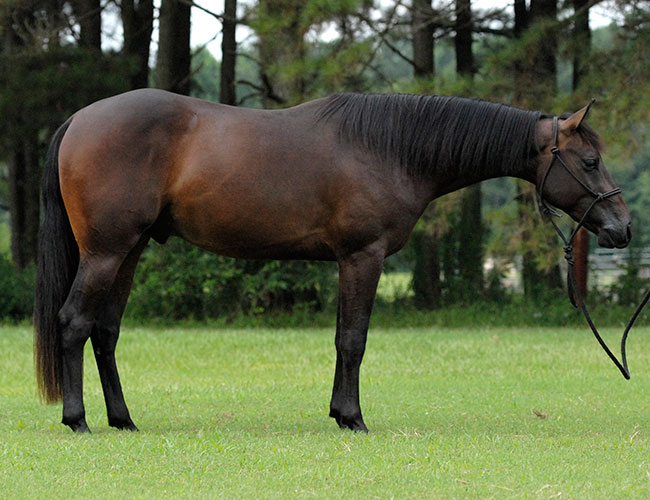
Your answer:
<point x="178" y="281"/>
<point x="16" y="291"/>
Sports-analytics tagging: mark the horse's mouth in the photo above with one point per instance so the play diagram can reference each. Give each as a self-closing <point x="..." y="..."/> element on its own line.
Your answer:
<point x="610" y="237"/>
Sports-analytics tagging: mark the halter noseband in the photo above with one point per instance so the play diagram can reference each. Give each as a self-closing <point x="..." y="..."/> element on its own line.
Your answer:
<point x="574" y="292"/>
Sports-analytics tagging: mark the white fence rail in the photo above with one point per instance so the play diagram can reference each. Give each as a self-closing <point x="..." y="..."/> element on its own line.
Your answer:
<point x="606" y="265"/>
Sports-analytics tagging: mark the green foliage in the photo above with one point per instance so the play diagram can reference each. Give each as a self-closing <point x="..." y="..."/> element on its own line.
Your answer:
<point x="322" y="11"/>
<point x="40" y="90"/>
<point x="341" y="67"/>
<point x="634" y="179"/>
<point x="178" y="280"/>
<point x="205" y="75"/>
<point x="16" y="291"/>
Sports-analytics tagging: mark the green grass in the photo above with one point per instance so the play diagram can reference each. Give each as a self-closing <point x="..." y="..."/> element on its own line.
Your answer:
<point x="395" y="285"/>
<point x="243" y="414"/>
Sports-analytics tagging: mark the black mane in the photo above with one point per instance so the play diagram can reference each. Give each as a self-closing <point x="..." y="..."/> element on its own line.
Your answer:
<point x="429" y="134"/>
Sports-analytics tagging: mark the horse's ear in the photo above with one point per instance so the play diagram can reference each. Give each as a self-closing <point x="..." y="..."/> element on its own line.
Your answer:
<point x="573" y="122"/>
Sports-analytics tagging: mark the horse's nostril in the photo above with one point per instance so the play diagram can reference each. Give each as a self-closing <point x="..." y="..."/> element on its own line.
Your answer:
<point x="629" y="231"/>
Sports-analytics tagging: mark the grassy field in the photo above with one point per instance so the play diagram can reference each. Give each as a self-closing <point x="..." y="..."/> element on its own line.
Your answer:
<point x="453" y="414"/>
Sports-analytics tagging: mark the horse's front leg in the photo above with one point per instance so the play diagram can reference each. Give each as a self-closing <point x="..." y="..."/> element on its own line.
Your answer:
<point x="358" y="277"/>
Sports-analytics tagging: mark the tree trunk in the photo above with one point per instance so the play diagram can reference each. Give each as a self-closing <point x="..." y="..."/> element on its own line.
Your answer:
<point x="544" y="65"/>
<point x="535" y="234"/>
<point x="55" y="18"/>
<point x="521" y="73"/>
<point x="470" y="228"/>
<point x="173" y="70"/>
<point x="228" y="93"/>
<point x="137" y="21"/>
<point x="423" y="26"/>
<point x="536" y="85"/>
<point x="530" y="276"/>
<point x="24" y="203"/>
<point x="281" y="50"/>
<point x="426" y="269"/>
<point x="89" y="17"/>
<point x="581" y="49"/>
<point x="536" y="72"/>
<point x="470" y="243"/>
<point x="544" y="74"/>
<point x="23" y="178"/>
<point x="581" y="40"/>
<point x="521" y="17"/>
<point x="463" y="38"/>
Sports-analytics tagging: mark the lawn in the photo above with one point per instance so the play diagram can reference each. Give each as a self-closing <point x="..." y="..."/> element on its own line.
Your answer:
<point x="453" y="414"/>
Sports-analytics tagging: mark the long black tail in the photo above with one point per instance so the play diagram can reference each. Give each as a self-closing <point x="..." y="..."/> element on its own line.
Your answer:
<point x="58" y="259"/>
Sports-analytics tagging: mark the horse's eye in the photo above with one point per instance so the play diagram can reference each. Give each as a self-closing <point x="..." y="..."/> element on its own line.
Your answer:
<point x="590" y="163"/>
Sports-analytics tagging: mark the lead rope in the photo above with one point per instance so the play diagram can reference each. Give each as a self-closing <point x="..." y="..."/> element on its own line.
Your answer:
<point x="575" y="296"/>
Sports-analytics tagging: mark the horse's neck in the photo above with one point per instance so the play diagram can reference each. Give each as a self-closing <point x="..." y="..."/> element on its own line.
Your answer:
<point x="449" y="182"/>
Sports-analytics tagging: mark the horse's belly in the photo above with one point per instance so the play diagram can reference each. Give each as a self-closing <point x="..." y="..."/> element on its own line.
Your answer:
<point x="303" y="250"/>
<point x="253" y="245"/>
<point x="242" y="229"/>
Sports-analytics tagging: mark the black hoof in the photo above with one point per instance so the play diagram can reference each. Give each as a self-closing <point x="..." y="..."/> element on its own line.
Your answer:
<point x="123" y="425"/>
<point x="355" y="424"/>
<point x="80" y="427"/>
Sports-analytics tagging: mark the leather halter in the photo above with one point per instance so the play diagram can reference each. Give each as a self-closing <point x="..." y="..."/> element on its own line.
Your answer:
<point x="574" y="292"/>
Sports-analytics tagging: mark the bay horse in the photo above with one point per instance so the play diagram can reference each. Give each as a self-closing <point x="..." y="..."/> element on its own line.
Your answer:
<point x="344" y="178"/>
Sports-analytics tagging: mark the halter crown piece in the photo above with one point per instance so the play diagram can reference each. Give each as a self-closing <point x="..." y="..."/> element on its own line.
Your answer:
<point x="574" y="292"/>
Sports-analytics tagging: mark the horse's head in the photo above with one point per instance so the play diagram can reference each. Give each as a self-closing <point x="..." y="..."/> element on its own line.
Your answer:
<point x="571" y="175"/>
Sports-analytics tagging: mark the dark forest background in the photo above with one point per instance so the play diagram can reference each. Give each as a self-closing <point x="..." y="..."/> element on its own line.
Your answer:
<point x="56" y="57"/>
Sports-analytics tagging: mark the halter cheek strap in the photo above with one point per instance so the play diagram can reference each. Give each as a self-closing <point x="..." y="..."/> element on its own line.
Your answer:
<point x="574" y="292"/>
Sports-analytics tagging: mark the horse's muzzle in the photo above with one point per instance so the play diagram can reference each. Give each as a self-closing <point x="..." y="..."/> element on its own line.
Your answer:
<point x="615" y="236"/>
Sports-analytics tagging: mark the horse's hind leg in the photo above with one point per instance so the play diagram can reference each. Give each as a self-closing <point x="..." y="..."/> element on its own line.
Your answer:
<point x="105" y="334"/>
<point x="90" y="288"/>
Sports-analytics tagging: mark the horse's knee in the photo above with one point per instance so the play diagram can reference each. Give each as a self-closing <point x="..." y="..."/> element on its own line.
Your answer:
<point x="104" y="338"/>
<point x="75" y="330"/>
<point x="351" y="345"/>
